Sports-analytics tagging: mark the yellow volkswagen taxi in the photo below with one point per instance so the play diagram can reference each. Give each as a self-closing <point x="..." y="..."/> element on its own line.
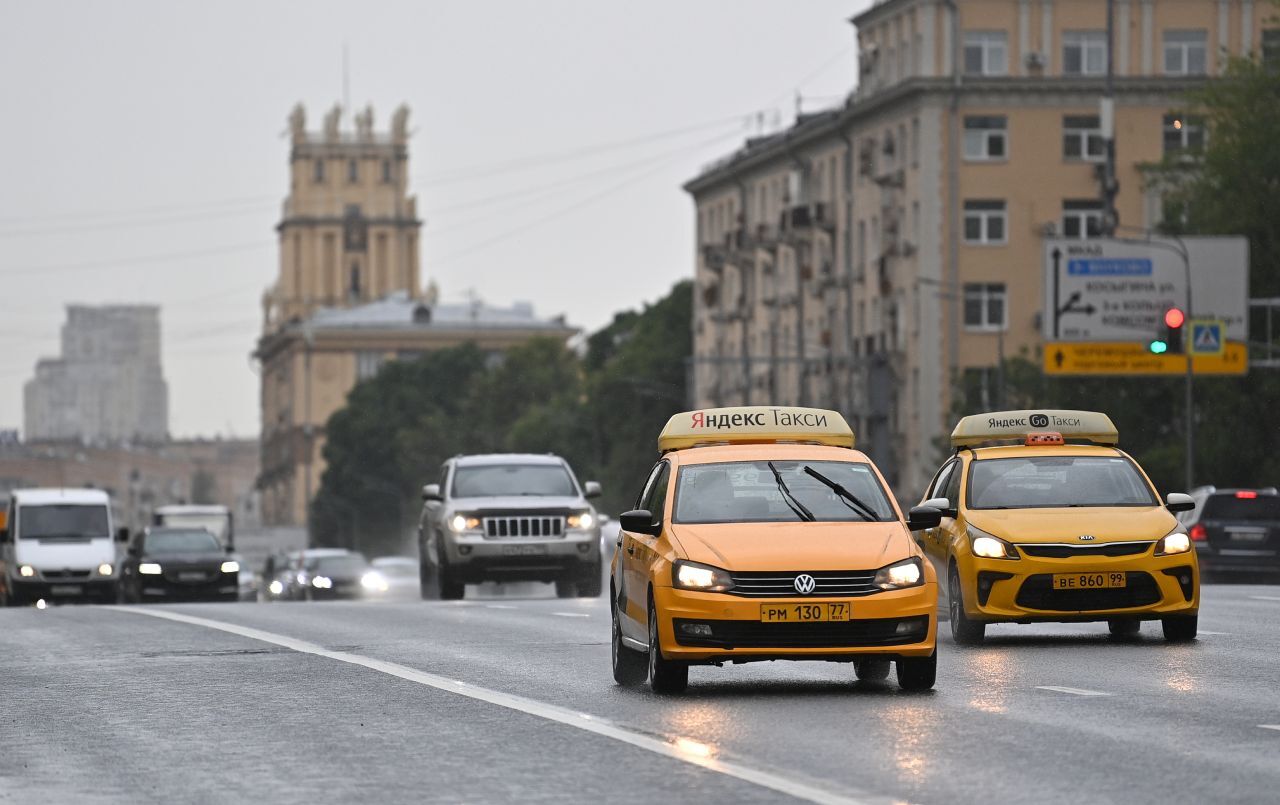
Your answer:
<point x="1045" y="519"/>
<point x="761" y="534"/>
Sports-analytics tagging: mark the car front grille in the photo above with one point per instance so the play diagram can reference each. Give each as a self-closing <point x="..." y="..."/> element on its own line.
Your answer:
<point x="1062" y="551"/>
<point x="1037" y="592"/>
<point x="835" y="634"/>
<point x="782" y="583"/>
<point x="65" y="575"/>
<point x="523" y="526"/>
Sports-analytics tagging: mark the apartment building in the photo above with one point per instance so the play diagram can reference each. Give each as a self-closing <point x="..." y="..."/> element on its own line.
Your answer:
<point x="881" y="256"/>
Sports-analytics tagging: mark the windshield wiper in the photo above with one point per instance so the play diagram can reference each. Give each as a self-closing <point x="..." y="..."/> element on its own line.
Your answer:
<point x="796" y="506"/>
<point x="851" y="500"/>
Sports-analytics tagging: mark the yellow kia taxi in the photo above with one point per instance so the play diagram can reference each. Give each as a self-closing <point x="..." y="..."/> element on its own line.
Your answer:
<point x="1045" y="519"/>
<point x="761" y="534"/>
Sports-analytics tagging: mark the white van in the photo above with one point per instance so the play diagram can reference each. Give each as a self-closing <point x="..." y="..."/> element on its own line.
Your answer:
<point x="58" y="543"/>
<point x="216" y="519"/>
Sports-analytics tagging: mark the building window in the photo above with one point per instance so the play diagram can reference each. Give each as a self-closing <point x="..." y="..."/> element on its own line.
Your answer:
<point x="368" y="364"/>
<point x="985" y="137"/>
<point x="1271" y="47"/>
<point x="986" y="53"/>
<point x="984" y="222"/>
<point x="1084" y="52"/>
<point x="984" y="306"/>
<point x="915" y="142"/>
<point x="1185" y="52"/>
<point x="1082" y="138"/>
<point x="354" y="286"/>
<point x="1183" y="134"/>
<point x="1082" y="219"/>
<point x="353" y="170"/>
<point x="386" y="171"/>
<point x="318" y="170"/>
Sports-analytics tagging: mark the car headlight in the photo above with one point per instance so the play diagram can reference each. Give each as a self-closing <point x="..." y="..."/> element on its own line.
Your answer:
<point x="373" y="580"/>
<point x="907" y="573"/>
<point x="989" y="547"/>
<point x="150" y="568"/>
<point x="581" y="520"/>
<point x="275" y="587"/>
<point x="322" y="583"/>
<point x="26" y="571"/>
<point x="693" y="576"/>
<point x="105" y="569"/>
<point x="231" y="566"/>
<point x="1173" y="543"/>
<point x="464" y="522"/>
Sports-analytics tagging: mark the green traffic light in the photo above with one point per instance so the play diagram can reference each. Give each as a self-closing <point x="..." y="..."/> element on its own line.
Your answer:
<point x="1158" y="347"/>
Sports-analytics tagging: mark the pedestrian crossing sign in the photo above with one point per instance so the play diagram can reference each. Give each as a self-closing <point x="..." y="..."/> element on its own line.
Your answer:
<point x="1207" y="337"/>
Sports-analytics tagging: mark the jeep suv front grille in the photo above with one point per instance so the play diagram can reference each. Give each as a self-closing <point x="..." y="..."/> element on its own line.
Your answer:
<point x="498" y="527"/>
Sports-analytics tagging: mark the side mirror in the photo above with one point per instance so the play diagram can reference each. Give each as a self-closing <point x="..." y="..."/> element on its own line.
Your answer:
<point x="122" y="534"/>
<point x="941" y="504"/>
<point x="923" y="517"/>
<point x="1179" y="502"/>
<point x="639" y="521"/>
<point x="591" y="489"/>
<point x="431" y="493"/>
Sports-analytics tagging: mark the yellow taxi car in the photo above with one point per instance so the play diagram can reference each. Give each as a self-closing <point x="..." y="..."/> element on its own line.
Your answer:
<point x="761" y="534"/>
<point x="1045" y="519"/>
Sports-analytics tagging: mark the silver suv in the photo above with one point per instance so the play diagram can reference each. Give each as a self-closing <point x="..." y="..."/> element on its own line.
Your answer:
<point x="509" y="517"/>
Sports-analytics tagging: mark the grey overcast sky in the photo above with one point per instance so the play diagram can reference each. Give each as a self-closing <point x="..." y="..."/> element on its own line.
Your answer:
<point x="142" y="156"/>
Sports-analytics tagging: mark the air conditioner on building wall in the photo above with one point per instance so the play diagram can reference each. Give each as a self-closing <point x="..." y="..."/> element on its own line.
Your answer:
<point x="1049" y="229"/>
<point x="1034" y="61"/>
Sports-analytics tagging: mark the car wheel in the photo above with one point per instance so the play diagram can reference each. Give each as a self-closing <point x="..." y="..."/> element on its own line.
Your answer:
<point x="918" y="673"/>
<point x="451" y="589"/>
<point x="591" y="581"/>
<point x="964" y="631"/>
<point x="427" y="582"/>
<point x="566" y="587"/>
<point x="630" y="667"/>
<point x="871" y="670"/>
<point x="665" y="676"/>
<point x="1180" y="628"/>
<point x="1124" y="627"/>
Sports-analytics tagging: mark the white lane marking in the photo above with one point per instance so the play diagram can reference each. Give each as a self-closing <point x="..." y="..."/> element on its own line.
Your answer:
<point x="499" y="606"/>
<point x="1265" y="598"/>
<point x="676" y="749"/>
<point x="1275" y="727"/>
<point x="571" y="614"/>
<point x="1215" y="634"/>
<point x="1072" y="691"/>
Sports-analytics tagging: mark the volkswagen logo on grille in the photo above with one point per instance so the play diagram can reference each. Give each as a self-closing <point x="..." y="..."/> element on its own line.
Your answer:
<point x="805" y="584"/>
<point x="1086" y="538"/>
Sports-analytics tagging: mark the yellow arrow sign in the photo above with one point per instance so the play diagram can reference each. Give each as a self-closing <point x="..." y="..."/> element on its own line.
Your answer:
<point x="1123" y="358"/>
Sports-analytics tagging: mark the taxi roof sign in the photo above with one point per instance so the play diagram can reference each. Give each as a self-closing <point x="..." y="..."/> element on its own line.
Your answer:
<point x="998" y="426"/>
<point x="755" y="424"/>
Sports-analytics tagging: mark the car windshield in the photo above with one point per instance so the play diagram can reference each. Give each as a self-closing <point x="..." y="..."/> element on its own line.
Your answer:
<point x="748" y="491"/>
<point x="330" y="565"/>
<point x="195" y="541"/>
<point x="66" y="521"/>
<point x="500" y="480"/>
<point x="1230" y="507"/>
<point x="1056" y="482"/>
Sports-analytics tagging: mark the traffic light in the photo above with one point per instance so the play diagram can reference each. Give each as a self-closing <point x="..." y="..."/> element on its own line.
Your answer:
<point x="1170" y="338"/>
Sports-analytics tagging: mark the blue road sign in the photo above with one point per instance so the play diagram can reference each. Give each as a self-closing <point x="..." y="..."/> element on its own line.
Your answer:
<point x="1207" y="337"/>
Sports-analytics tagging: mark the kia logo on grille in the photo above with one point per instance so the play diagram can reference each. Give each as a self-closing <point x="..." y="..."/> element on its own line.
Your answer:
<point x="1086" y="537"/>
<point x="805" y="584"/>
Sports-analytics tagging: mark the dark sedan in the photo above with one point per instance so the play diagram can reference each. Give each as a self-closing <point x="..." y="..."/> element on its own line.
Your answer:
<point x="347" y="575"/>
<point x="178" y="564"/>
<point x="1237" y="531"/>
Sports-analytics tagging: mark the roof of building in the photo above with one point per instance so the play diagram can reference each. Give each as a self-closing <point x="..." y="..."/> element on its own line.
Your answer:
<point x="398" y="311"/>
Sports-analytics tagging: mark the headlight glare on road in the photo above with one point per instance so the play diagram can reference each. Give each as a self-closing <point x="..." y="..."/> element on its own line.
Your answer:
<point x="150" y="569"/>
<point x="231" y="566"/>
<point x="989" y="547"/>
<point x="322" y="583"/>
<point x="374" y="581"/>
<point x="462" y="522"/>
<point x="907" y="573"/>
<point x="105" y="569"/>
<point x="26" y="571"/>
<point x="581" y="520"/>
<point x="693" y="576"/>
<point x="1174" y="543"/>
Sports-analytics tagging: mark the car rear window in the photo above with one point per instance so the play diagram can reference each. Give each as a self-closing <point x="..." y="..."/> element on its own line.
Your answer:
<point x="1230" y="507"/>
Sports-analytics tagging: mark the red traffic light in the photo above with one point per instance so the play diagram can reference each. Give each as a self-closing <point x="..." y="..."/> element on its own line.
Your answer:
<point x="1174" y="318"/>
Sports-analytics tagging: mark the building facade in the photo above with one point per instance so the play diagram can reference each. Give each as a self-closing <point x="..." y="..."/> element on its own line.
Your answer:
<point x="348" y="299"/>
<point x="881" y="257"/>
<point x="107" y="386"/>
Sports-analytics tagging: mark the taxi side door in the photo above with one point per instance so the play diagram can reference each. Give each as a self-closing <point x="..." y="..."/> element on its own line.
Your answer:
<point x="932" y="539"/>
<point x="635" y="552"/>
<point x="953" y="527"/>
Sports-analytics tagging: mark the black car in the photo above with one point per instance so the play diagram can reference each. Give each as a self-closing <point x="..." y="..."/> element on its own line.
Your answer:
<point x="1237" y="530"/>
<point x="345" y="575"/>
<point x="178" y="564"/>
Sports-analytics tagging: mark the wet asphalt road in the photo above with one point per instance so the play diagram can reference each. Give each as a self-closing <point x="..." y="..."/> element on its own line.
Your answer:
<point x="341" y="702"/>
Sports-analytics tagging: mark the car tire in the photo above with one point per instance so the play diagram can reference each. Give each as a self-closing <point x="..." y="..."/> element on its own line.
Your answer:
<point x="566" y="587"/>
<point x="630" y="667"/>
<point x="591" y="581"/>
<point x="665" y="676"/>
<point x="427" y="583"/>
<point x="873" y="669"/>
<point x="1124" y="627"/>
<point x="964" y="631"/>
<point x="918" y="673"/>
<point x="451" y="589"/>
<point x="1180" y="628"/>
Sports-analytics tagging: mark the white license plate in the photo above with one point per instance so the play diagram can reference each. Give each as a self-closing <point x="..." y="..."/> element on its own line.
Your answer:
<point x="66" y="589"/>
<point x="524" y="550"/>
<point x="1246" y="536"/>
<point x="191" y="576"/>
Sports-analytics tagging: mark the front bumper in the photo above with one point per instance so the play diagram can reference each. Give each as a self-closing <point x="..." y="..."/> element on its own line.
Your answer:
<point x="101" y="588"/>
<point x="1021" y="590"/>
<point x="738" y="635"/>
<point x="216" y="589"/>
<point x="477" y="557"/>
